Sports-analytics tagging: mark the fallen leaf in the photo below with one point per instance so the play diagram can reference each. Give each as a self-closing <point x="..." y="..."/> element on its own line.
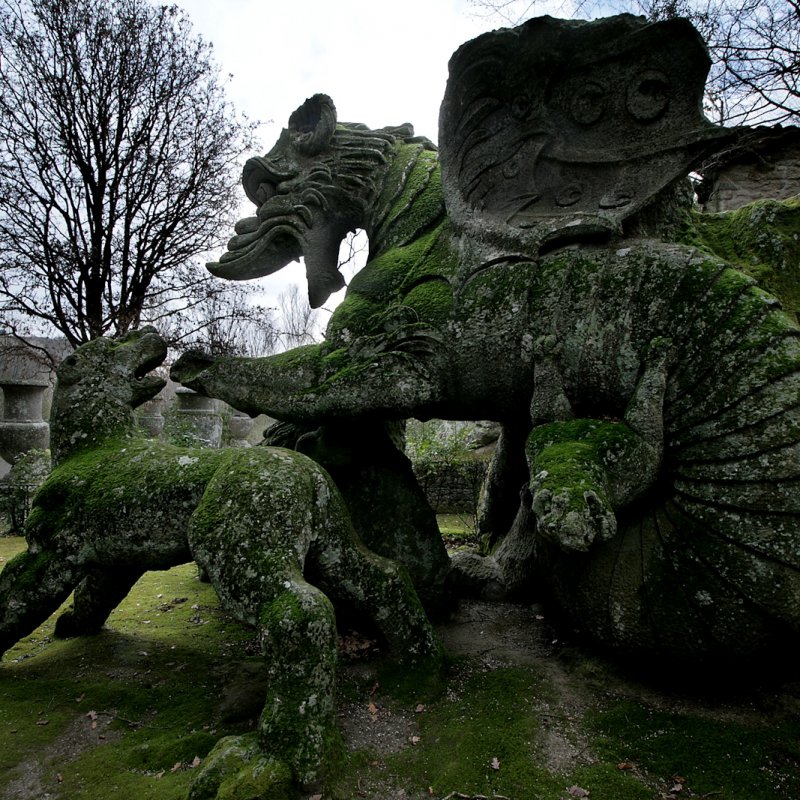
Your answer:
<point x="59" y="777"/>
<point x="196" y="761"/>
<point x="42" y="721"/>
<point x="419" y="709"/>
<point x="413" y="739"/>
<point x="159" y="775"/>
<point x="372" y="708"/>
<point x="624" y="765"/>
<point x="80" y="699"/>
<point x="577" y="791"/>
<point x="495" y="763"/>
<point x="676" y="788"/>
<point x="315" y="797"/>
<point x="176" y="766"/>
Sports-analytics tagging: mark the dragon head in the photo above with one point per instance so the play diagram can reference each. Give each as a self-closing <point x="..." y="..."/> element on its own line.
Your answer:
<point x="309" y="193"/>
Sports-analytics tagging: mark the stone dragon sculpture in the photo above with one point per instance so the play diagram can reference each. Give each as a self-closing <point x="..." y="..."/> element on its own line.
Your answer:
<point x="647" y="477"/>
<point x="117" y="504"/>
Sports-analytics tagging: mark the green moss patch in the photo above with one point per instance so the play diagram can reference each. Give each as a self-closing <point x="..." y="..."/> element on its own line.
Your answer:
<point x="709" y="757"/>
<point x="134" y="712"/>
<point x="763" y="239"/>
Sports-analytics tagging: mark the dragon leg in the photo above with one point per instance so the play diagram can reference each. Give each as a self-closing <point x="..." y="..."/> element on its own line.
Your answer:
<point x="584" y="470"/>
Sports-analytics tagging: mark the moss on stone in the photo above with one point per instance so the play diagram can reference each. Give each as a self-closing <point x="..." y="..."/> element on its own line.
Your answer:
<point x="237" y="769"/>
<point x="763" y="239"/>
<point x="431" y="301"/>
<point x="576" y="457"/>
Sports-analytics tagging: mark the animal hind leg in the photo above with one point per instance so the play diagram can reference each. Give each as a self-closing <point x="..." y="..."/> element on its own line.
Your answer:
<point x="32" y="587"/>
<point x="96" y="596"/>
<point x="381" y="590"/>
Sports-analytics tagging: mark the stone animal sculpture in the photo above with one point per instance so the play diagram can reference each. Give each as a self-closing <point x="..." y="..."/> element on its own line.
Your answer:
<point x="647" y="478"/>
<point x="117" y="504"/>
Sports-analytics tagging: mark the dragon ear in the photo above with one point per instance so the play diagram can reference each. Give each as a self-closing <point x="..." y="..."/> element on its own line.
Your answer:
<point x="313" y="124"/>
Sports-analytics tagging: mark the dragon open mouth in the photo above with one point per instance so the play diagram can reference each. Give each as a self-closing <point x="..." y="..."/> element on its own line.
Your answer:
<point x="263" y="246"/>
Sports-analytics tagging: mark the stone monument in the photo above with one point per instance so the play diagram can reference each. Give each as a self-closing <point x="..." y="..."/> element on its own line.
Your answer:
<point x="533" y="273"/>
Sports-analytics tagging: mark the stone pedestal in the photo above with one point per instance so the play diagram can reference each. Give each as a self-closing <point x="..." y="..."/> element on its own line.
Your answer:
<point x="150" y="417"/>
<point x="239" y="426"/>
<point x="23" y="427"/>
<point x="196" y="419"/>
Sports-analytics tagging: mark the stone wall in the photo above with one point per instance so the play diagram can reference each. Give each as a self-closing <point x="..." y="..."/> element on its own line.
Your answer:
<point x="452" y="486"/>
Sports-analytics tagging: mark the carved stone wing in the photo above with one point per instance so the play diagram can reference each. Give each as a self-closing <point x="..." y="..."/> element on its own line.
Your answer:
<point x="561" y="128"/>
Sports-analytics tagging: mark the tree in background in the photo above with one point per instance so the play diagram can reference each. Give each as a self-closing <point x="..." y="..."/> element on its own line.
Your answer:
<point x="119" y="166"/>
<point x="754" y="46"/>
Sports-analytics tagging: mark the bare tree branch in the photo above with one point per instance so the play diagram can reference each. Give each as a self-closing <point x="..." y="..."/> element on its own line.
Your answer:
<point x="119" y="162"/>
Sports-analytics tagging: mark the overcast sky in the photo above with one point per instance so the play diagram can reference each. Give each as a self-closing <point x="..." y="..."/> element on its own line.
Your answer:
<point x="383" y="63"/>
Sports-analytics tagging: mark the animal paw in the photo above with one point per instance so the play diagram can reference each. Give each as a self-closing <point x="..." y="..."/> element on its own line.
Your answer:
<point x="187" y="369"/>
<point x="237" y="767"/>
<point x="574" y="526"/>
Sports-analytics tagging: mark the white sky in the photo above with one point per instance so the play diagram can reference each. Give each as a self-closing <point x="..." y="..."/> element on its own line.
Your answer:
<point x="383" y="63"/>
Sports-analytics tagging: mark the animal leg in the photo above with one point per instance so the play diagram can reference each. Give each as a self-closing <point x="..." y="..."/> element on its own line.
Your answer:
<point x="549" y="401"/>
<point x="96" y="596"/>
<point x="297" y="631"/>
<point x="583" y="471"/>
<point x="32" y="587"/>
<point x="645" y="412"/>
<point x="382" y="591"/>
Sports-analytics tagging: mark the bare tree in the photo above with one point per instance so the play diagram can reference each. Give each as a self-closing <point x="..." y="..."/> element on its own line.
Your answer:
<point x="297" y="320"/>
<point x="229" y="324"/>
<point x="754" y="46"/>
<point x="119" y="165"/>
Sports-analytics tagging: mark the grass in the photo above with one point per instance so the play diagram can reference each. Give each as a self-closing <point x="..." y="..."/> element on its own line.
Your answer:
<point x="129" y="712"/>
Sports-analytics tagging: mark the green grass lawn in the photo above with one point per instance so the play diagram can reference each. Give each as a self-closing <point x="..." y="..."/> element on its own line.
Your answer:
<point x="132" y="712"/>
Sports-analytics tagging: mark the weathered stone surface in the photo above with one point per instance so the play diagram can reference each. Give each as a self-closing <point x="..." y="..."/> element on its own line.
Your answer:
<point x="117" y="504"/>
<point x="386" y="505"/>
<point x="762" y="163"/>
<point x="650" y="390"/>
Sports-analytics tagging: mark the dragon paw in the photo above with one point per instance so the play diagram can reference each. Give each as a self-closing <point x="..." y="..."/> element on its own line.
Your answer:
<point x="573" y="526"/>
<point x="189" y="366"/>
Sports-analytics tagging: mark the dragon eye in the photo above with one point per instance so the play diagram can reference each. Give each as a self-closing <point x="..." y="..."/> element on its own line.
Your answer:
<point x="588" y="103"/>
